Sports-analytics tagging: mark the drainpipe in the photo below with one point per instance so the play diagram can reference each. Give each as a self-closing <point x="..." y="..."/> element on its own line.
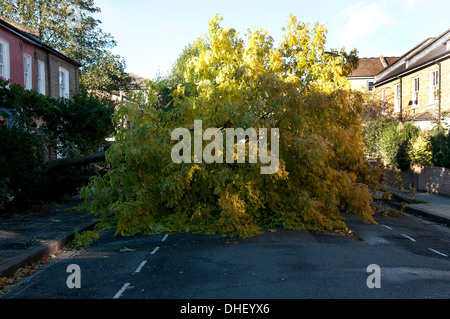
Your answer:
<point x="401" y="99"/>
<point x="49" y="84"/>
<point x="439" y="97"/>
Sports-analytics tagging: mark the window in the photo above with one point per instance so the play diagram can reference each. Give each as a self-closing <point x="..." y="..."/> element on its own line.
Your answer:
<point x="27" y="76"/>
<point x="415" y="92"/>
<point x="370" y="87"/>
<point x="434" y="86"/>
<point x="4" y="59"/>
<point x="397" y="96"/>
<point x="63" y="83"/>
<point x="41" y="77"/>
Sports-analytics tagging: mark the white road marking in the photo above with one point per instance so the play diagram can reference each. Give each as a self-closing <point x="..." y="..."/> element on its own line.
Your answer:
<point x="438" y="252"/>
<point x="410" y="238"/>
<point x="386" y="226"/>
<point x="140" y="266"/>
<point x="165" y="237"/>
<point x="154" y="250"/>
<point x="117" y="295"/>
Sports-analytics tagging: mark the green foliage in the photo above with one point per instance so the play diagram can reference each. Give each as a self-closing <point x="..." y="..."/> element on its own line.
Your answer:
<point x="177" y="75"/>
<point x="372" y="132"/>
<point x="374" y="121"/>
<point x="82" y="123"/>
<point x="395" y="143"/>
<point x="421" y="151"/>
<point x="294" y="87"/>
<point x="440" y="145"/>
<point x="77" y="126"/>
<point x="83" y="239"/>
<point x="20" y="169"/>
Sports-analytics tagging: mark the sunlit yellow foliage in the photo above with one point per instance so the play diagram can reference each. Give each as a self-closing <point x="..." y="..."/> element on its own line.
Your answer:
<point x="296" y="87"/>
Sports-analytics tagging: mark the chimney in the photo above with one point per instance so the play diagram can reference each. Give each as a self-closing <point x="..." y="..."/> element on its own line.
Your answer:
<point x="383" y="61"/>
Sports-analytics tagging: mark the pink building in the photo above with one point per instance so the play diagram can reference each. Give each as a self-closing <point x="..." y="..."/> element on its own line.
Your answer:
<point x="27" y="61"/>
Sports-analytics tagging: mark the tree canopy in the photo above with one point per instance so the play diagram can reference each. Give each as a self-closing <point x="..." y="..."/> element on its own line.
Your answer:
<point x="296" y="87"/>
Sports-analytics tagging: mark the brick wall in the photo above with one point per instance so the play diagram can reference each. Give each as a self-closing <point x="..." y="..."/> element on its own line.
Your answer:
<point x="424" y="76"/>
<point x="429" y="179"/>
<point x="390" y="95"/>
<point x="52" y="65"/>
<point x="424" y="92"/>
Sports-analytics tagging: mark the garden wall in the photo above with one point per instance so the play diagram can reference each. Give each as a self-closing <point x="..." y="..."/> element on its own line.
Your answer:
<point x="427" y="178"/>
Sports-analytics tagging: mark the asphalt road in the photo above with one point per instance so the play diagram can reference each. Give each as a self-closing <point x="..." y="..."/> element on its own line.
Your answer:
<point x="412" y="255"/>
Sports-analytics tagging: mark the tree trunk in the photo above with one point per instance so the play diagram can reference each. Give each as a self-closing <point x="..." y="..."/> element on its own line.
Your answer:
<point x="77" y="161"/>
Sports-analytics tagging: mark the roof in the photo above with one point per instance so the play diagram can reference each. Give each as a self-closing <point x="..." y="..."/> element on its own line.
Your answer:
<point x="32" y="36"/>
<point x="427" y="52"/>
<point x="369" y="67"/>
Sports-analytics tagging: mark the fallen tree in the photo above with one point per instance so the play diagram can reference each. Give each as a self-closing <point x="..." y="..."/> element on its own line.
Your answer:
<point x="296" y="89"/>
<point x="77" y="161"/>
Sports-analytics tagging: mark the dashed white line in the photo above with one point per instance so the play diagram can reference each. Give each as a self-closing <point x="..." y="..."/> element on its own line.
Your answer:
<point x="117" y="295"/>
<point x="165" y="237"/>
<point x="410" y="238"/>
<point x="386" y="226"/>
<point x="438" y="252"/>
<point x="154" y="251"/>
<point x="140" y="266"/>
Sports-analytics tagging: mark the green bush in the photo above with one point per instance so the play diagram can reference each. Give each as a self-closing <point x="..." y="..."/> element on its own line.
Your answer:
<point x="421" y="152"/>
<point x="395" y="143"/>
<point x="20" y="169"/>
<point x="82" y="124"/>
<point x="440" y="145"/>
<point x="77" y="126"/>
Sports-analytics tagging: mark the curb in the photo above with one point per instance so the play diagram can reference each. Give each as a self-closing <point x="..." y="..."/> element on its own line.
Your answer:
<point x="422" y="213"/>
<point x="44" y="250"/>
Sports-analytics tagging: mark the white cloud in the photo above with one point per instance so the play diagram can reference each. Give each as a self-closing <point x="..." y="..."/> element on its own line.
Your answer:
<point x="361" y="21"/>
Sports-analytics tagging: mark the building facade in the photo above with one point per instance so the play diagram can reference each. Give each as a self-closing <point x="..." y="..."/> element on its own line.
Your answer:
<point x="27" y="61"/>
<point x="417" y="85"/>
<point x="364" y="76"/>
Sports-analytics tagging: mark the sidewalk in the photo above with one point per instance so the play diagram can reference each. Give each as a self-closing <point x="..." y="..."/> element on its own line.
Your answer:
<point x="434" y="207"/>
<point x="26" y="238"/>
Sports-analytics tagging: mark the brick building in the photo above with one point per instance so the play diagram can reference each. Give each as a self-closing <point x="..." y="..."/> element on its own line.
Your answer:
<point x="417" y="85"/>
<point x="27" y="61"/>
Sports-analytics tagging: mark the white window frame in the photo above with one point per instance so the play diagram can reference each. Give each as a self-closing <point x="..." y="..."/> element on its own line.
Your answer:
<point x="397" y="96"/>
<point x="5" y="65"/>
<point x="27" y="72"/>
<point x="415" y="89"/>
<point x="370" y="86"/>
<point x="434" y="86"/>
<point x="384" y="95"/>
<point x="41" y="77"/>
<point x="63" y="83"/>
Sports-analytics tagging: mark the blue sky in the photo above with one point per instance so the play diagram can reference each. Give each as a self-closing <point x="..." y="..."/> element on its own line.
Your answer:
<point x="151" y="34"/>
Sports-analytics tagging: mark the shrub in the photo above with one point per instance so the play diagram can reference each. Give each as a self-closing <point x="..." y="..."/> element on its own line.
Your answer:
<point x="421" y="152"/>
<point x="396" y="141"/>
<point x="77" y="126"/>
<point x="440" y="145"/>
<point x="20" y="169"/>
